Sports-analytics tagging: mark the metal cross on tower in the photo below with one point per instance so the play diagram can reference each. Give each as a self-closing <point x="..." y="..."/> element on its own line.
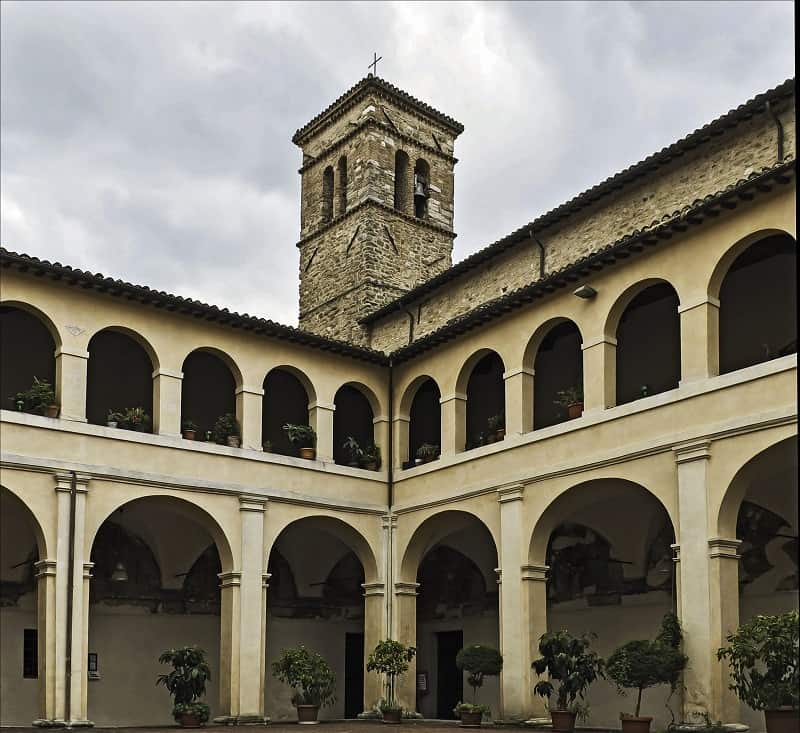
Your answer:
<point x="374" y="64"/>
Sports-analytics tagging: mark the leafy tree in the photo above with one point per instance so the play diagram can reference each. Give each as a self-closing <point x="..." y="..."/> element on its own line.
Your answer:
<point x="567" y="659"/>
<point x="187" y="680"/>
<point x="479" y="662"/>
<point x="391" y="659"/>
<point x="763" y="656"/>
<point x="309" y="674"/>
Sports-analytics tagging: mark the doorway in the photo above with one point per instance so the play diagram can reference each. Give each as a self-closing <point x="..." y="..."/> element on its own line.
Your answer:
<point x="353" y="675"/>
<point x="449" y="680"/>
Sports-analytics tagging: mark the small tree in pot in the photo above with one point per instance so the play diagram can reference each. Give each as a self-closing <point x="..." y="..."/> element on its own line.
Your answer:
<point x="391" y="659"/>
<point x="568" y="660"/>
<point x="312" y="679"/>
<point x="479" y="662"/>
<point x="571" y="399"/>
<point x="187" y="684"/>
<point x="226" y="430"/>
<point x="353" y="450"/>
<point x="763" y="656"/>
<point x="39" y="399"/>
<point x="303" y="438"/>
<point x="641" y="664"/>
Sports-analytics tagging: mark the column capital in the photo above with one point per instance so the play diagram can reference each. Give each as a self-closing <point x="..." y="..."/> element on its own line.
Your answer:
<point x="246" y="389"/>
<point x="514" y="372"/>
<point x="317" y="405"/>
<point x="599" y="340"/>
<point x="87" y="569"/>
<point x="697" y="451"/>
<point x="380" y="418"/>
<point x="231" y="579"/>
<point x="676" y="553"/>
<point x="44" y="568"/>
<point x="64" y="481"/>
<point x="252" y="503"/>
<point x="372" y="589"/>
<point x="64" y="351"/>
<point x="405" y="589"/>
<point x="696" y="303"/>
<point x="499" y="573"/>
<point x="166" y="373"/>
<point x="510" y="492"/>
<point x="401" y="417"/>
<point x="450" y="397"/>
<point x="265" y="579"/>
<point x="535" y="573"/>
<point x="724" y="547"/>
<point x="389" y="521"/>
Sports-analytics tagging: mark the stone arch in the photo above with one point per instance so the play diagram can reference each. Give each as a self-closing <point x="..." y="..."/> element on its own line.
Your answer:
<point x="357" y="408"/>
<point x="47" y="322"/>
<point x="421" y="404"/>
<point x="481" y="384"/>
<point x="300" y="376"/>
<point x="469" y="364"/>
<point x="224" y="357"/>
<point x="539" y="335"/>
<point x="626" y="297"/>
<point x="410" y="391"/>
<point x="288" y="392"/>
<point x="210" y="381"/>
<point x="135" y="336"/>
<point x="36" y="525"/>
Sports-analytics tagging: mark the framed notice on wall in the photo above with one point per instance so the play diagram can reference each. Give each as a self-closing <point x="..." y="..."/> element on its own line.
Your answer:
<point x="422" y="682"/>
<point x="91" y="666"/>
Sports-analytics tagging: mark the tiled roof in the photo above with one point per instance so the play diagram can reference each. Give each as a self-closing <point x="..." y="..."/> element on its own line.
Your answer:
<point x="699" y="211"/>
<point x="179" y="304"/>
<point x="375" y="82"/>
<point x="650" y="164"/>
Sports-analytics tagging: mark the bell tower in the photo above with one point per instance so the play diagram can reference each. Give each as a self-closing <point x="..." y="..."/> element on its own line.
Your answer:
<point x="376" y="216"/>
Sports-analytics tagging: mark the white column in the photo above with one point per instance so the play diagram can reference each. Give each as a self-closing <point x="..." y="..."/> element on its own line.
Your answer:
<point x="405" y="623"/>
<point x="229" y="642"/>
<point x="46" y="628"/>
<point x="699" y="339"/>
<point x="519" y="401"/>
<point x="401" y="430"/>
<point x="694" y="606"/>
<point x="70" y="387"/>
<point x="374" y="631"/>
<point x="167" y="402"/>
<point x="534" y="578"/>
<point x="249" y="403"/>
<point x="454" y="423"/>
<point x="320" y="417"/>
<point x="599" y="373"/>
<point x="380" y="432"/>
<point x="515" y="688"/>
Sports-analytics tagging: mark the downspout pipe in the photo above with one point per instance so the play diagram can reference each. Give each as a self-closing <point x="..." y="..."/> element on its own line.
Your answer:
<point x="390" y="501"/>
<point x="778" y="126"/>
<point x="541" y="251"/>
<point x="73" y="493"/>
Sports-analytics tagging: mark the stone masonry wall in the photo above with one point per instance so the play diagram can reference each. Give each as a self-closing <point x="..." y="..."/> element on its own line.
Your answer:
<point x="707" y="169"/>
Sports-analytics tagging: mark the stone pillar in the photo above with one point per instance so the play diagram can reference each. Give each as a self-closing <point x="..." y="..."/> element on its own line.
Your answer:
<point x="374" y="631"/>
<point x="320" y="417"/>
<point x="230" y="631"/>
<point x="454" y="423"/>
<point x="70" y="387"/>
<point x="46" y="629"/>
<point x="167" y="402"/>
<point x="694" y="607"/>
<point x="724" y="559"/>
<point x="252" y="603"/>
<point x="519" y="401"/>
<point x="249" y="403"/>
<point x="514" y="626"/>
<point x="599" y="374"/>
<point x="405" y="624"/>
<point x="699" y="339"/>
<point x="380" y="436"/>
<point x="534" y="578"/>
<point x="402" y="437"/>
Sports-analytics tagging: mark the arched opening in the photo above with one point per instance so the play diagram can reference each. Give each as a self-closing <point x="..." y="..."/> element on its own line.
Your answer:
<point x="341" y="198"/>
<point x="425" y="426"/>
<point x="208" y="392"/>
<point x="457" y="605"/>
<point x="352" y="418"/>
<point x="327" y="195"/>
<point x="558" y="376"/>
<point x="422" y="179"/>
<point x="22" y="661"/>
<point x="317" y="599"/>
<point x="285" y="402"/>
<point x="649" y="344"/>
<point x="607" y="543"/>
<point x="758" y="304"/>
<point x="401" y="182"/>
<point x="154" y="587"/>
<point x="27" y="352"/>
<point x="485" y="401"/>
<point x="119" y="380"/>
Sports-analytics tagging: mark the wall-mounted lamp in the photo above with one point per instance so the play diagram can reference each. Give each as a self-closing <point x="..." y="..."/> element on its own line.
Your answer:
<point x="585" y="291"/>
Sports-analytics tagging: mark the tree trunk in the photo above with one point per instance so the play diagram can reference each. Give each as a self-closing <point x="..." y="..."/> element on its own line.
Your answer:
<point x="638" y="702"/>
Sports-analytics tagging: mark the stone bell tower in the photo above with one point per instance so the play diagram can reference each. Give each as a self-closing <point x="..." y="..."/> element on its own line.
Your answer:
<point x="377" y="205"/>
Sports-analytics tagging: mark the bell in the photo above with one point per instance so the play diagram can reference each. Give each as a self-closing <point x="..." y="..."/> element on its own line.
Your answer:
<point x="119" y="574"/>
<point x="419" y="186"/>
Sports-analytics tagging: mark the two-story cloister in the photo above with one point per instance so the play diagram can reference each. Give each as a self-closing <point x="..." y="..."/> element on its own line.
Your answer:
<point x="607" y="394"/>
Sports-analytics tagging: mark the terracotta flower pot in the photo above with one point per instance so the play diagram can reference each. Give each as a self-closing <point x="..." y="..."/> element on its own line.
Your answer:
<point x="51" y="411"/>
<point x="307" y="714"/>
<point x="308" y="453"/>
<point x="574" y="410"/>
<point x="372" y="466"/>
<point x="563" y="720"/>
<point x="111" y="424"/>
<point x="233" y="441"/>
<point x="189" y="434"/>
<point x="782" y="721"/>
<point x="500" y="433"/>
<point x="631" y="724"/>
<point x="189" y="720"/>
<point x="491" y="438"/>
<point x="470" y="720"/>
<point x="392" y="716"/>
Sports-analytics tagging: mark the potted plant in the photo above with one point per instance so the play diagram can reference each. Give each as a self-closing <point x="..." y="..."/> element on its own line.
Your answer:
<point x="187" y="684"/>
<point x="491" y="429"/>
<point x="763" y="656"/>
<point x="113" y="419"/>
<point x="266" y="446"/>
<point x="427" y="452"/>
<point x="304" y="438"/>
<point x="353" y="450"/>
<point x="572" y="400"/>
<point x="371" y="457"/>
<point x="39" y="399"/>
<point x="391" y="659"/>
<point x="134" y="418"/>
<point x="226" y="430"/>
<point x="500" y="425"/>
<point x="641" y="664"/>
<point x="478" y="662"/>
<point x="312" y="679"/>
<point x="567" y="660"/>
<point x="189" y="430"/>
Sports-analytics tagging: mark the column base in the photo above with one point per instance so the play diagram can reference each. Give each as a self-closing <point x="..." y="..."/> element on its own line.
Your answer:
<point x="241" y="720"/>
<point x="80" y="724"/>
<point x="44" y="723"/>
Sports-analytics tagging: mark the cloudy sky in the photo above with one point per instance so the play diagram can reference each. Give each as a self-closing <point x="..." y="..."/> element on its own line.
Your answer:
<point x="151" y="141"/>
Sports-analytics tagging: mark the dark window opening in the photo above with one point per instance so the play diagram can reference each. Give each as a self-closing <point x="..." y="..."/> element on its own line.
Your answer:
<point x="649" y="344"/>
<point x="401" y="183"/>
<point x="30" y="654"/>
<point x="485" y="400"/>
<point x="758" y="305"/>
<point x="426" y="419"/>
<point x="352" y="418"/>
<point x="342" y="197"/>
<point x="327" y="195"/>
<point x="422" y="179"/>
<point x="285" y="401"/>
<point x="208" y="391"/>
<point x="558" y="368"/>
